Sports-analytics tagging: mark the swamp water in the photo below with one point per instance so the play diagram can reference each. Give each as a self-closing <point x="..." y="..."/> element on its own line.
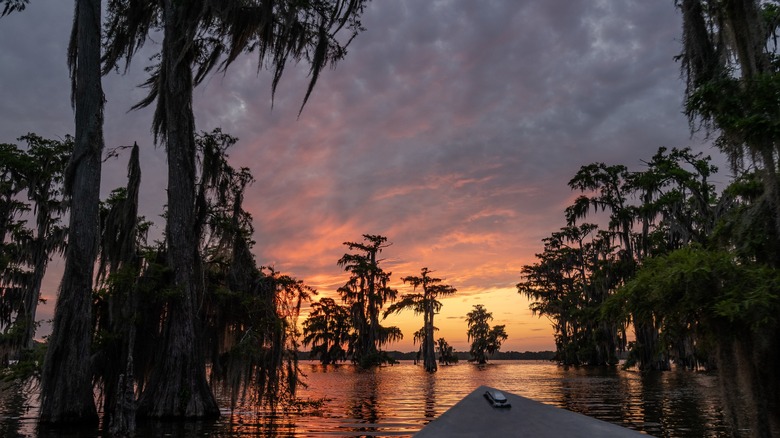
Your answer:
<point x="399" y="400"/>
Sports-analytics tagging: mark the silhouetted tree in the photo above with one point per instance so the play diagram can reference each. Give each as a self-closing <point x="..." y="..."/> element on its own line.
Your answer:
<point x="12" y="233"/>
<point x="496" y="337"/>
<point x="196" y="35"/>
<point x="276" y="372"/>
<point x="35" y="173"/>
<point x="327" y="330"/>
<point x="43" y="183"/>
<point x="424" y="302"/>
<point x="484" y="339"/>
<point x="249" y="314"/>
<point x="365" y="293"/>
<point x="577" y="271"/>
<point x="446" y="354"/>
<point x="729" y="62"/>
<point x="610" y="190"/>
<point x="12" y="6"/>
<point x="119" y="266"/>
<point x="66" y="381"/>
<point x="672" y="203"/>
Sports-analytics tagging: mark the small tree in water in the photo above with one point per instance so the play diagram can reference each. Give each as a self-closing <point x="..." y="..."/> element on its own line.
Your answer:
<point x="484" y="339"/>
<point x="424" y="302"/>
<point x="327" y="330"/>
<point x="366" y="292"/>
<point x="446" y="354"/>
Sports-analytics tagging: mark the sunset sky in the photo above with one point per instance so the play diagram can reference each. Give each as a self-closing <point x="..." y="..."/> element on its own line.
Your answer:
<point x="452" y="128"/>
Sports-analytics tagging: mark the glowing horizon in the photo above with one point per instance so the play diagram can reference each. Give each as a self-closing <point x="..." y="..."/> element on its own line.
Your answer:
<point x="456" y="146"/>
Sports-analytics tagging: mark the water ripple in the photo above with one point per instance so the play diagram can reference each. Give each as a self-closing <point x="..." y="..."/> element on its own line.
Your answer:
<point x="399" y="400"/>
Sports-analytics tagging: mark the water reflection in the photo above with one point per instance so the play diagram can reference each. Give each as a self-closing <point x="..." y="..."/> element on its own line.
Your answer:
<point x="15" y="411"/>
<point x="672" y="406"/>
<point x="364" y="401"/>
<point x="430" y="396"/>
<point x="401" y="399"/>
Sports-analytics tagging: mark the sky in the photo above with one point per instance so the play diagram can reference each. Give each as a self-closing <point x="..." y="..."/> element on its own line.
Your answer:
<point x="451" y="127"/>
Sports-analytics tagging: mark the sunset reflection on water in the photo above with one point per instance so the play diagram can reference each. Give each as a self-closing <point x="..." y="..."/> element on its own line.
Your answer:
<point x="399" y="400"/>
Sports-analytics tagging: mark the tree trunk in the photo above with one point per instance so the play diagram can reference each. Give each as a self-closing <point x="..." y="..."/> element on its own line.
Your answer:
<point x="771" y="182"/>
<point x="122" y="421"/>
<point x="120" y="253"/>
<point x="33" y="292"/>
<point x="647" y="340"/>
<point x="747" y="371"/>
<point x="178" y="385"/>
<point x="66" y="391"/>
<point x="373" y="309"/>
<point x="429" y="355"/>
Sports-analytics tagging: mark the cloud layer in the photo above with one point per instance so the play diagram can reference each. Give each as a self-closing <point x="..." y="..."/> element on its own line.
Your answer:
<point x="451" y="127"/>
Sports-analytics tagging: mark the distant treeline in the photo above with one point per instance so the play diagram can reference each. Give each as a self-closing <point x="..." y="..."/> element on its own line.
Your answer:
<point x="461" y="355"/>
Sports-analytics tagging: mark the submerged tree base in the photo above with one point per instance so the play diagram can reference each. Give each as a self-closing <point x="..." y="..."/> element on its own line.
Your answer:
<point x="375" y="359"/>
<point x="186" y="397"/>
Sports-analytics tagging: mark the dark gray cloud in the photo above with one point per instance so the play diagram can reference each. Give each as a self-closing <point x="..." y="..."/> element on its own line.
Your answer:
<point x="452" y="127"/>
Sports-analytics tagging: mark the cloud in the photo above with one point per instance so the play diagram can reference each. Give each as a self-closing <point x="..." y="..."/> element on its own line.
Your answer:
<point x="451" y="127"/>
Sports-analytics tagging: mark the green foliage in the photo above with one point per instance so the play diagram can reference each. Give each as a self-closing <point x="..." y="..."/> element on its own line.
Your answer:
<point x="28" y="366"/>
<point x="747" y="227"/>
<point x="30" y="231"/>
<point x="731" y="65"/>
<point x="751" y="296"/>
<point x="669" y="205"/>
<point x="693" y="293"/>
<point x="746" y="111"/>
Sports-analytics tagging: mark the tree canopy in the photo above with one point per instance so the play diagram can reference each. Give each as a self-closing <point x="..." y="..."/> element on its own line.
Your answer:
<point x="365" y="294"/>
<point x="424" y="301"/>
<point x="485" y="340"/>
